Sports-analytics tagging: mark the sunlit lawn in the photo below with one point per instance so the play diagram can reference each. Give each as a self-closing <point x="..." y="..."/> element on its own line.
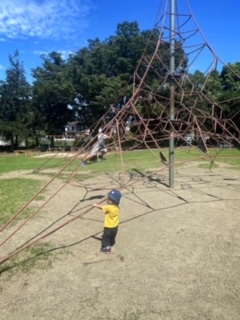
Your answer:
<point x="116" y="161"/>
<point x="15" y="192"/>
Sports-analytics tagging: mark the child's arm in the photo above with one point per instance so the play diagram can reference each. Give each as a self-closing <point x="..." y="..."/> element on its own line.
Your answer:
<point x="110" y="134"/>
<point x="98" y="206"/>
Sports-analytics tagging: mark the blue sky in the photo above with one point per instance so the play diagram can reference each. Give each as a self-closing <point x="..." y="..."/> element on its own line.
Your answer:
<point x="41" y="26"/>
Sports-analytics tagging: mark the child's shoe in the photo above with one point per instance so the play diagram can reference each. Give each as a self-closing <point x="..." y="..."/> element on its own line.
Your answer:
<point x="106" y="250"/>
<point x="83" y="163"/>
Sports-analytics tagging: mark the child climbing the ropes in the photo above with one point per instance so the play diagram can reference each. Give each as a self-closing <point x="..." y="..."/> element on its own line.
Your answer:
<point x="111" y="220"/>
<point x="99" y="146"/>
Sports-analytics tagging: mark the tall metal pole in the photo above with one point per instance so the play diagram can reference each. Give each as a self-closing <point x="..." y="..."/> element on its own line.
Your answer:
<point x="172" y="94"/>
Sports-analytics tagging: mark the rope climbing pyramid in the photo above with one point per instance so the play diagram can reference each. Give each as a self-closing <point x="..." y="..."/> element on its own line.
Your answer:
<point x="172" y="103"/>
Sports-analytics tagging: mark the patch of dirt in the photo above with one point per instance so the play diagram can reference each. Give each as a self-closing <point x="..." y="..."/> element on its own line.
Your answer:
<point x="177" y="254"/>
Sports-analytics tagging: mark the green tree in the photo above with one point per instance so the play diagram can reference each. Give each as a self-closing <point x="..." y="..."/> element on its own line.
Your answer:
<point x="53" y="95"/>
<point x="15" y="103"/>
<point x="103" y="73"/>
<point x="230" y="97"/>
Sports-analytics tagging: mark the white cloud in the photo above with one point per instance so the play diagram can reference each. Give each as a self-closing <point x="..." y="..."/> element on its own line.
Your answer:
<point x="2" y="68"/>
<point x="64" y="53"/>
<point x="44" y="19"/>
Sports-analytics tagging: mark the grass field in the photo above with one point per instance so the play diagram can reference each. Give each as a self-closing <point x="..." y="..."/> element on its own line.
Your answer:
<point x="15" y="194"/>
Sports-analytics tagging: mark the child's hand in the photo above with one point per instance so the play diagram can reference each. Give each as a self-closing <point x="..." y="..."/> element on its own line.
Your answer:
<point x="97" y="206"/>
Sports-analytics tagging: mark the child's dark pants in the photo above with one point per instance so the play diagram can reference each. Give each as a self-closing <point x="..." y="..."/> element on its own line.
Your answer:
<point x="109" y="235"/>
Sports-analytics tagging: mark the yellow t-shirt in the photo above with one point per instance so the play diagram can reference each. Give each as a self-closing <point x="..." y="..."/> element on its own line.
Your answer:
<point x="112" y="215"/>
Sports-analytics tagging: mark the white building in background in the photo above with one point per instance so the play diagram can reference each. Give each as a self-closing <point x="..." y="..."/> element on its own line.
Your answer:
<point x="4" y="142"/>
<point x="75" y="128"/>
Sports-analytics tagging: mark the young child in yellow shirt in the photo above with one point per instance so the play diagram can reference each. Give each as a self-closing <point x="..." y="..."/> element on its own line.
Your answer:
<point x="111" y="220"/>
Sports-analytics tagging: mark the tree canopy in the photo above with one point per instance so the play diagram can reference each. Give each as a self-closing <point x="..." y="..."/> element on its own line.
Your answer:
<point x="85" y="86"/>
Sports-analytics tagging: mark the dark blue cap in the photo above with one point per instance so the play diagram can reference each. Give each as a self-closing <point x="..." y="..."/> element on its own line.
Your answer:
<point x="115" y="196"/>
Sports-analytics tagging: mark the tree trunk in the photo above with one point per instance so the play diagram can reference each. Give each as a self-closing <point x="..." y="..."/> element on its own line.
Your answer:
<point x="36" y="141"/>
<point x="12" y="143"/>
<point x="16" y="142"/>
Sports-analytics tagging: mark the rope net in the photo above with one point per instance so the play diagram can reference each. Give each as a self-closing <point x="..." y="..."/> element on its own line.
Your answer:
<point x="203" y="119"/>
